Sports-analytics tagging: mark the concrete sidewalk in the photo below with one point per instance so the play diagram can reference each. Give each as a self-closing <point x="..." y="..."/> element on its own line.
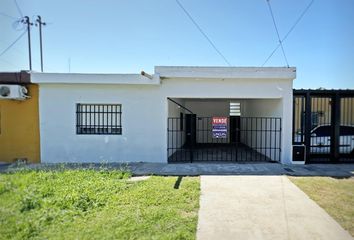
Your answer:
<point x="196" y="169"/>
<point x="261" y="207"/>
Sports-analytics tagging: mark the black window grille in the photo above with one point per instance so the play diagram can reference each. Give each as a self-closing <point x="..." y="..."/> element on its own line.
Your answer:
<point x="99" y="119"/>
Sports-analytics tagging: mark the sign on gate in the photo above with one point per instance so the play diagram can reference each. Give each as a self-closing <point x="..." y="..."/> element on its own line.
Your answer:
<point x="219" y="127"/>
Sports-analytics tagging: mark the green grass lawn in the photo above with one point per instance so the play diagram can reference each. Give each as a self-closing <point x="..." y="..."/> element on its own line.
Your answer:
<point x="334" y="195"/>
<point x="88" y="204"/>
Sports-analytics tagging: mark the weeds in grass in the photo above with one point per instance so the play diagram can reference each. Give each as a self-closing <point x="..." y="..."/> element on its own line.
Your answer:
<point x="95" y="204"/>
<point x="5" y="187"/>
<point x="30" y="200"/>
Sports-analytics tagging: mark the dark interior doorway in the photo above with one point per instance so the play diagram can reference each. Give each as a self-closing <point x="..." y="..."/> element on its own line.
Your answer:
<point x="191" y="130"/>
<point x="235" y="125"/>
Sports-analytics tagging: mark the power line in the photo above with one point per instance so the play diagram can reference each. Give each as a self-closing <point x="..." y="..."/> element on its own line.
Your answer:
<point x="298" y="20"/>
<point x="276" y="29"/>
<point x="13" y="43"/>
<point x="291" y="29"/>
<point x="10" y="63"/>
<point x="203" y="33"/>
<point x="15" y="50"/>
<point x="18" y="8"/>
<point x="25" y="22"/>
<point x="8" y="16"/>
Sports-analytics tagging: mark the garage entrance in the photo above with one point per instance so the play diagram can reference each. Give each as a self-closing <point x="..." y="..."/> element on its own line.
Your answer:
<point x="254" y="139"/>
<point x="227" y="136"/>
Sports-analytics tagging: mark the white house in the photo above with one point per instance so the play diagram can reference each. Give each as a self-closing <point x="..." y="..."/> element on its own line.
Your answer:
<point x="176" y="114"/>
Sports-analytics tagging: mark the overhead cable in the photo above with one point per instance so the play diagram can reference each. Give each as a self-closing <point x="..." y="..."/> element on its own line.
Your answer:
<point x="290" y="30"/>
<point x="203" y="33"/>
<point x="276" y="29"/>
<point x="13" y="43"/>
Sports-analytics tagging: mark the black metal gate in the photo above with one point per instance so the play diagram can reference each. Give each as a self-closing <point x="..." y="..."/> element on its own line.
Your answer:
<point x="323" y="120"/>
<point x="248" y="139"/>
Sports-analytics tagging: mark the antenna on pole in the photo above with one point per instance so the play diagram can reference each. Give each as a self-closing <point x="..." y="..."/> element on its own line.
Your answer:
<point x="39" y="23"/>
<point x="26" y="21"/>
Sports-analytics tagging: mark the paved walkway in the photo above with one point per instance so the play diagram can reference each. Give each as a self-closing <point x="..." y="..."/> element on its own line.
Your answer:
<point x="261" y="207"/>
<point x="196" y="169"/>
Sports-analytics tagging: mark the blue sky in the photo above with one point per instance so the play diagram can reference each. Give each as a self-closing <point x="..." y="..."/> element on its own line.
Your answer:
<point x="130" y="36"/>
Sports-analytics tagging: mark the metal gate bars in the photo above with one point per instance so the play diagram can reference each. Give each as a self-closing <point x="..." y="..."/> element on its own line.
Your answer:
<point x="323" y="120"/>
<point x="243" y="139"/>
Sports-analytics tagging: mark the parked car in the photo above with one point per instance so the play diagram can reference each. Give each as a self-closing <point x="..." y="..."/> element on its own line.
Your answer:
<point x="321" y="139"/>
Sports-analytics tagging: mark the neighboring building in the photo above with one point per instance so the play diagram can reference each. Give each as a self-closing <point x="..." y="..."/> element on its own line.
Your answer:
<point x="19" y="118"/>
<point x="322" y="110"/>
<point x="324" y="123"/>
<point x="177" y="114"/>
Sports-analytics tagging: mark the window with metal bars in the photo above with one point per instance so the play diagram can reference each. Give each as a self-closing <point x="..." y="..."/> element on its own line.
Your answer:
<point x="99" y="119"/>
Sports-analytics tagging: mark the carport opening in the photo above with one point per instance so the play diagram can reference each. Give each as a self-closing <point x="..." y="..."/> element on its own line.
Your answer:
<point x="224" y="130"/>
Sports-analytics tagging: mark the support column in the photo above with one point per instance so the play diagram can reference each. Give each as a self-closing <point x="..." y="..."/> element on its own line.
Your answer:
<point x="286" y="129"/>
<point x="335" y="122"/>
<point x="308" y="124"/>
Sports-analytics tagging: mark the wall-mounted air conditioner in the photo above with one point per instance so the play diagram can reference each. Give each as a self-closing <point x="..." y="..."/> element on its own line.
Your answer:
<point x="15" y="92"/>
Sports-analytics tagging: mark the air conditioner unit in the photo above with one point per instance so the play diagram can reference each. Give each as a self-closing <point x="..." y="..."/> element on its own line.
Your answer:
<point x="15" y="92"/>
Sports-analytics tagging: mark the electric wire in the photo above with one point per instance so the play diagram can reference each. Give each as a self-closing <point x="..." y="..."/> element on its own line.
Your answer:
<point x="8" y="16"/>
<point x="276" y="29"/>
<point x="9" y="63"/>
<point x="203" y="33"/>
<point x="13" y="43"/>
<point x="16" y="21"/>
<point x="290" y="30"/>
<point x="18" y="8"/>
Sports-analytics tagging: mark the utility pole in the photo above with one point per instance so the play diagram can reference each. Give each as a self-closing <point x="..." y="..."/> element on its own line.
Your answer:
<point x="39" y="23"/>
<point x="26" y="20"/>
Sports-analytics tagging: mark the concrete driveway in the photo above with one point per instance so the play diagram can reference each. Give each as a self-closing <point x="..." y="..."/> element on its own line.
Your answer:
<point x="261" y="207"/>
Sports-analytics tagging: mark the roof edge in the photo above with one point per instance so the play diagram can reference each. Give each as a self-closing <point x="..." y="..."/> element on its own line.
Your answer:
<point x="22" y="77"/>
<point x="226" y="72"/>
<point x="92" y="78"/>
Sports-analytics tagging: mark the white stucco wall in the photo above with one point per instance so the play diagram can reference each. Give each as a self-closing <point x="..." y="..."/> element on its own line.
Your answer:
<point x="143" y="123"/>
<point x="144" y="114"/>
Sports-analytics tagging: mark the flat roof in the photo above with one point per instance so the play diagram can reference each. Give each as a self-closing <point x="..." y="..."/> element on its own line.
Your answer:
<point x="91" y="78"/>
<point x="226" y="72"/>
<point x="168" y="72"/>
<point x="15" y="77"/>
